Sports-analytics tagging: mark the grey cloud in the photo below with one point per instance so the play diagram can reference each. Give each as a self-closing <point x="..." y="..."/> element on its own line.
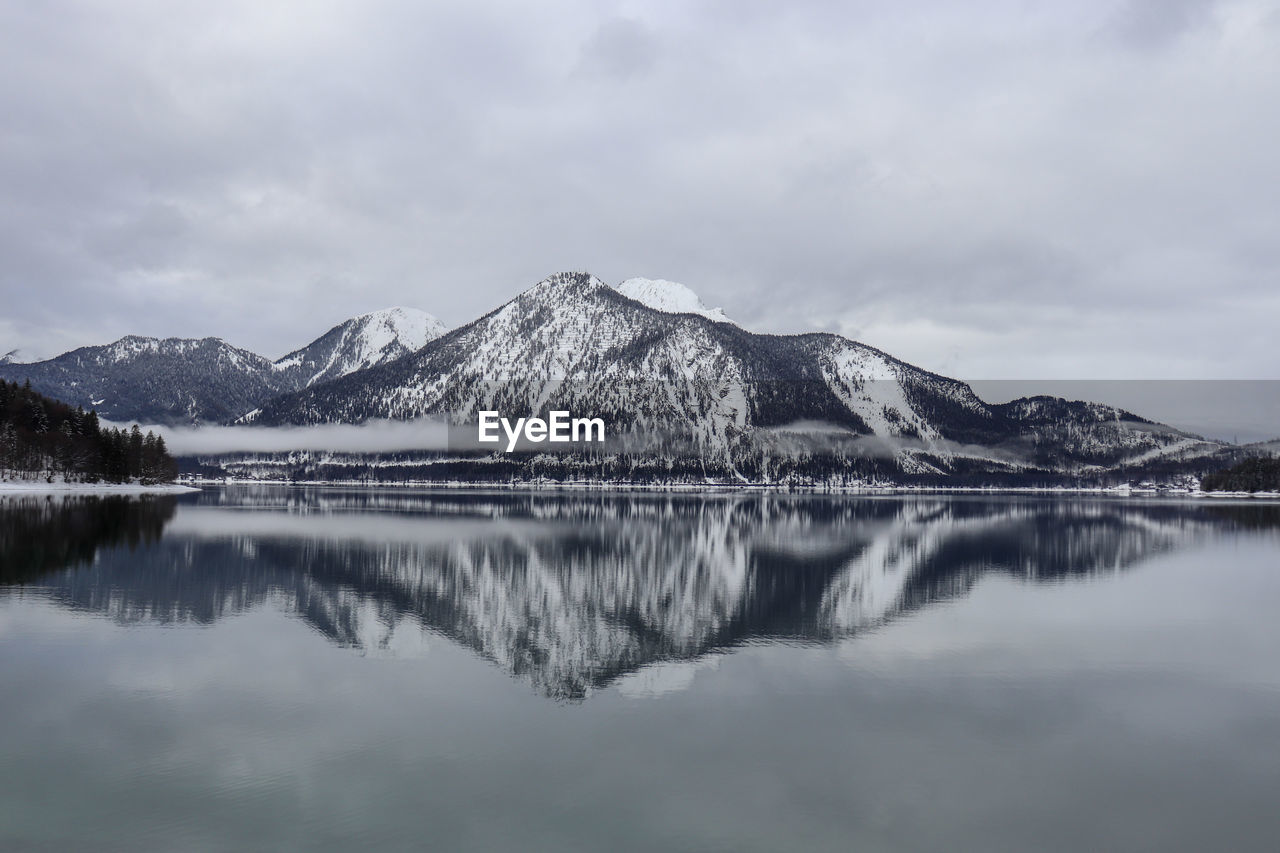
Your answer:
<point x="370" y="437"/>
<point x="1154" y="23"/>
<point x="620" y="48"/>
<point x="955" y="185"/>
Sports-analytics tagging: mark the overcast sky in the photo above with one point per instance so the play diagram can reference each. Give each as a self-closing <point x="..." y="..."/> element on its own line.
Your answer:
<point x="988" y="190"/>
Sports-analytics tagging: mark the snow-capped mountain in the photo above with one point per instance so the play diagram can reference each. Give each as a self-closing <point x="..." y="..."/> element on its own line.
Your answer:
<point x="573" y="339"/>
<point x="677" y="384"/>
<point x="669" y="297"/>
<point x="360" y="342"/>
<point x="685" y="384"/>
<point x="154" y="380"/>
<point x="184" y="380"/>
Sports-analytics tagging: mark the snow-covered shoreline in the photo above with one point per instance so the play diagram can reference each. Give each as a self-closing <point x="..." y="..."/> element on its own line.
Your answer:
<point x="747" y="488"/>
<point x="40" y="487"/>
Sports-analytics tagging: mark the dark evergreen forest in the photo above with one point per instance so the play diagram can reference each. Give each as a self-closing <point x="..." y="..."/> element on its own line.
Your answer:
<point x="1256" y="474"/>
<point x="41" y="437"/>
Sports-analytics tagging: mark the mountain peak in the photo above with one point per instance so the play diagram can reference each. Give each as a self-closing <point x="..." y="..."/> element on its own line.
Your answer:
<point x="670" y="297"/>
<point x="154" y="380"/>
<point x="577" y="282"/>
<point x="131" y="346"/>
<point x="396" y="312"/>
<point x="363" y="341"/>
<point x="412" y="327"/>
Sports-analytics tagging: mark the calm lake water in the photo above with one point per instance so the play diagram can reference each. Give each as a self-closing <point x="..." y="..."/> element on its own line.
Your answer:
<point x="308" y="669"/>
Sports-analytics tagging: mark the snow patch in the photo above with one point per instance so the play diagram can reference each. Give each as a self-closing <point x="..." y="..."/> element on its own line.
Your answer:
<point x="411" y="328"/>
<point x="669" y="297"/>
<point x="61" y="485"/>
<point x="362" y="342"/>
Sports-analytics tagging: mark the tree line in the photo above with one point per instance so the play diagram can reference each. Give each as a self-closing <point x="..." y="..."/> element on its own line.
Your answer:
<point x="1256" y="474"/>
<point x="43" y="437"/>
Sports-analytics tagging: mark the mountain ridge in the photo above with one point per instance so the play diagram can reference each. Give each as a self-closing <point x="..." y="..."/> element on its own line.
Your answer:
<point x="683" y="387"/>
<point x="572" y="342"/>
<point x="207" y="380"/>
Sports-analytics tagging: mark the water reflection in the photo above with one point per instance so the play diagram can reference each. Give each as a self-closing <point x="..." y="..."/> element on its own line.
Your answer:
<point x="42" y="534"/>
<point x="570" y="592"/>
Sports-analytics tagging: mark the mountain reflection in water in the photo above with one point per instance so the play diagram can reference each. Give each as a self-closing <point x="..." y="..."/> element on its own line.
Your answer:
<point x="572" y="592"/>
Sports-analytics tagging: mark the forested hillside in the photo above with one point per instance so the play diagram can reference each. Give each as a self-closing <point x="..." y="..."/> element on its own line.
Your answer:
<point x="41" y="437"/>
<point x="1258" y="474"/>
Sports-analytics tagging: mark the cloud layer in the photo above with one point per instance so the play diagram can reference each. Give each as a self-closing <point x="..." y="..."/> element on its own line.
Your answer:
<point x="990" y="190"/>
<point x="369" y="437"/>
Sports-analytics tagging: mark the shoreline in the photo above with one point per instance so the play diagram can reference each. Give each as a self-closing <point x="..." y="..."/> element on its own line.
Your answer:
<point x="30" y="487"/>
<point x="35" y="487"/>
<point x="744" y="488"/>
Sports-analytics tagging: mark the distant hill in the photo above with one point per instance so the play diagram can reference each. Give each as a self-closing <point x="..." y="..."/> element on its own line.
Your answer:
<point x="207" y="380"/>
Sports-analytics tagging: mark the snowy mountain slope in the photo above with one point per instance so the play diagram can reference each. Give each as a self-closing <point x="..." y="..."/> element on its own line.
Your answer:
<point x="183" y="380"/>
<point x="358" y="343"/>
<point x="672" y="379"/>
<point x="669" y="297"/>
<point x="1085" y="433"/>
<point x="571" y="341"/>
<point x="690" y="385"/>
<point x="14" y="356"/>
<point x="153" y="380"/>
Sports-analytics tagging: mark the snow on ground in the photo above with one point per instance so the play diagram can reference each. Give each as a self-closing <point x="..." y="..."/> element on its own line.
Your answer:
<point x="59" y="486"/>
<point x="869" y="385"/>
<point x="1172" y="450"/>
<point x="410" y="326"/>
<point x="669" y="297"/>
<point x="380" y="336"/>
<point x="365" y="341"/>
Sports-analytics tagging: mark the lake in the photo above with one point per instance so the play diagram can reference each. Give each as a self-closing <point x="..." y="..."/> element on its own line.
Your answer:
<point x="328" y="669"/>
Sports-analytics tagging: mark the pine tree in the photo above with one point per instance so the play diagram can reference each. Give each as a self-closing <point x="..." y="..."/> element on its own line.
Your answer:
<point x="133" y="458"/>
<point x="41" y="435"/>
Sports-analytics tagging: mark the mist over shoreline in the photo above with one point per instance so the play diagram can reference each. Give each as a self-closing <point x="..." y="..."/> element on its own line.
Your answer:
<point x="380" y="436"/>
